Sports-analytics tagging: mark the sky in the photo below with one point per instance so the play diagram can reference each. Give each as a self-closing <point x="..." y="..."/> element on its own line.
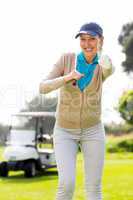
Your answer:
<point x="33" y="35"/>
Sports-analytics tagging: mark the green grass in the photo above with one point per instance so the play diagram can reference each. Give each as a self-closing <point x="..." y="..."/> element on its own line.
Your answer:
<point x="117" y="181"/>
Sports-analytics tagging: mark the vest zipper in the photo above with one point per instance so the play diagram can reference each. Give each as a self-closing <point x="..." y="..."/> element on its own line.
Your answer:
<point x="82" y="101"/>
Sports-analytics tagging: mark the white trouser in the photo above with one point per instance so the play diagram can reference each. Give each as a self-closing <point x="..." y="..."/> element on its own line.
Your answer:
<point x="92" y="143"/>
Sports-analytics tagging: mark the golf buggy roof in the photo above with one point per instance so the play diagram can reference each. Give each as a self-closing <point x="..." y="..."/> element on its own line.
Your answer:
<point x="34" y="114"/>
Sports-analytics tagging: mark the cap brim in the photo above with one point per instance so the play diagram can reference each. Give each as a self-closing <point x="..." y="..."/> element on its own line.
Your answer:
<point x="86" y="32"/>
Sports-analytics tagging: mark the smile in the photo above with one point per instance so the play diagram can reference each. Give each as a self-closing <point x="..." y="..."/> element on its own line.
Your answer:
<point x="88" y="49"/>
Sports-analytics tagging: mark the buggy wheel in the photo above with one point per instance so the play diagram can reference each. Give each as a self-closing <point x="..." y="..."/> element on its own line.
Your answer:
<point x="3" y="169"/>
<point x="30" y="169"/>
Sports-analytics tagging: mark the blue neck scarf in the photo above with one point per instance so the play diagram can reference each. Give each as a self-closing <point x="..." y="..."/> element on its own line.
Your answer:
<point x="87" y="69"/>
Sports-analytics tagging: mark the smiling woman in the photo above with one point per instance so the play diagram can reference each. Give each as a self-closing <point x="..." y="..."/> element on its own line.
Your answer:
<point x="90" y="45"/>
<point x="91" y="40"/>
<point x="78" y="116"/>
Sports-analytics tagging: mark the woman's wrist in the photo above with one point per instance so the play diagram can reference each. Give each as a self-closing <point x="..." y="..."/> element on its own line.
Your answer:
<point x="67" y="78"/>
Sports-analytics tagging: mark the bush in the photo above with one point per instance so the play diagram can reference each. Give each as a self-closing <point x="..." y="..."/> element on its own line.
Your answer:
<point x="125" y="106"/>
<point x="112" y="148"/>
<point x="118" y="129"/>
<point x="125" y="145"/>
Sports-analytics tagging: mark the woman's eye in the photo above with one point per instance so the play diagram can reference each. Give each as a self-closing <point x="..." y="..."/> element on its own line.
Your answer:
<point x="82" y="39"/>
<point x="93" y="38"/>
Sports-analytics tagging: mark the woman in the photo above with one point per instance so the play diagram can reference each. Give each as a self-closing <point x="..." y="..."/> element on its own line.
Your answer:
<point x="78" y="115"/>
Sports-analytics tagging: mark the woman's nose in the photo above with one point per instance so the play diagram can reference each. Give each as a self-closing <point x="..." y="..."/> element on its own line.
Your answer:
<point x="87" y="44"/>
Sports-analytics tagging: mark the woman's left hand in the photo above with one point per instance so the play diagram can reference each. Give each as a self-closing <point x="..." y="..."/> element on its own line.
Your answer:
<point x="105" y="62"/>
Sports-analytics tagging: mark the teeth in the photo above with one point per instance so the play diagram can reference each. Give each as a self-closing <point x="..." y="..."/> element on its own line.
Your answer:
<point x="88" y="49"/>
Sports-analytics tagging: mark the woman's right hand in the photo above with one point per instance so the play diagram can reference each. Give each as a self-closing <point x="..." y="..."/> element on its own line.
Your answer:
<point x="73" y="75"/>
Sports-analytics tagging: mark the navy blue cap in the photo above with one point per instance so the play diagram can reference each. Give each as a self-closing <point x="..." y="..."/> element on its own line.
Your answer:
<point x="93" y="29"/>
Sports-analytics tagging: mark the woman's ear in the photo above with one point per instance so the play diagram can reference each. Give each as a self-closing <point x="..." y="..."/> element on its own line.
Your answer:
<point x="100" y="45"/>
<point x="101" y="40"/>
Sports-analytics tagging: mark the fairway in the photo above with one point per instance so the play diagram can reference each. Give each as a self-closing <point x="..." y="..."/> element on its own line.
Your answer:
<point x="117" y="182"/>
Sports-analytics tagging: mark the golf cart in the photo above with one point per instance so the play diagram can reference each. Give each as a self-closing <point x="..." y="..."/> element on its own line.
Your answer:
<point x="29" y="147"/>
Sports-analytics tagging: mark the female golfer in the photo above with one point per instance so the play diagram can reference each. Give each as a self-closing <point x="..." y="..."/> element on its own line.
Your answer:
<point x="78" y="115"/>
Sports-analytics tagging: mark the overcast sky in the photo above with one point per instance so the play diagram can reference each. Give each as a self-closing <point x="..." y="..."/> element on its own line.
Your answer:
<point x="35" y="33"/>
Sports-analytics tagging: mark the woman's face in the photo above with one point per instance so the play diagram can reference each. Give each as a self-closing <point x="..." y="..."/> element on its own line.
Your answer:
<point x="90" y="45"/>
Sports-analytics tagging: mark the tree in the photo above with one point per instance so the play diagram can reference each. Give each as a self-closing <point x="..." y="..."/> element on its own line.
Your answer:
<point x="126" y="41"/>
<point x="126" y="106"/>
<point x="42" y="103"/>
<point x="4" y="130"/>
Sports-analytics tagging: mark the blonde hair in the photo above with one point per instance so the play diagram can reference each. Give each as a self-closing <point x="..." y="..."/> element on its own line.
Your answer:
<point x="99" y="45"/>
